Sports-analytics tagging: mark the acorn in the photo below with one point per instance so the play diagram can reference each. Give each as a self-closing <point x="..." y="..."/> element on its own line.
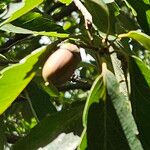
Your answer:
<point x="61" y="65"/>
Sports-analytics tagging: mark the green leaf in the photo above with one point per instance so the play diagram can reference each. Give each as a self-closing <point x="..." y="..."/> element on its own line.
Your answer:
<point x="40" y="101"/>
<point x="140" y="37"/>
<point x="50" y="127"/>
<point x="13" y="7"/>
<point x="109" y="123"/>
<point x="143" y="14"/>
<point x="130" y="7"/>
<point x="37" y="22"/>
<point x="114" y="11"/>
<point x="14" y="78"/>
<point x="19" y="30"/>
<point x="126" y="22"/>
<point x="67" y="2"/>
<point x="96" y="93"/>
<point x="140" y="98"/>
<point x="100" y="14"/>
<point x="123" y="111"/>
<point x="28" y="5"/>
<point x="50" y="89"/>
<point x="83" y="145"/>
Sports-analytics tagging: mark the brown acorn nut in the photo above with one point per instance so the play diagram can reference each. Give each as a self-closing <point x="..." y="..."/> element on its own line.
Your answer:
<point x="61" y="65"/>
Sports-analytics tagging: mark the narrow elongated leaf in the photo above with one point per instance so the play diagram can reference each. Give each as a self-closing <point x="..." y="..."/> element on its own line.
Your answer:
<point x="37" y="22"/>
<point x="108" y="124"/>
<point x="114" y="11"/>
<point x="19" y="30"/>
<point x="140" y="37"/>
<point x="83" y="145"/>
<point x="97" y="92"/>
<point x="100" y="14"/>
<point x="123" y="111"/>
<point x="130" y="7"/>
<point x="28" y="5"/>
<point x="49" y="128"/>
<point x="14" y="78"/>
<point x="140" y="98"/>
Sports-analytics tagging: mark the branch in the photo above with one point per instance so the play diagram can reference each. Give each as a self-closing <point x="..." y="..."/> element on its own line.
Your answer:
<point x="87" y="17"/>
<point x="11" y="42"/>
<point x="84" y="11"/>
<point x="82" y="86"/>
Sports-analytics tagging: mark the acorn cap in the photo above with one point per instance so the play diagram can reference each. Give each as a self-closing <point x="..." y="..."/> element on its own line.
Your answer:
<point x="70" y="47"/>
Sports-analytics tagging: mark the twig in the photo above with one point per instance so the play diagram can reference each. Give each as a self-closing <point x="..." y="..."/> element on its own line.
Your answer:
<point x="11" y="42"/>
<point x="87" y="17"/>
<point x="30" y="103"/>
<point x="83" y="86"/>
<point x="88" y="47"/>
<point x="84" y="11"/>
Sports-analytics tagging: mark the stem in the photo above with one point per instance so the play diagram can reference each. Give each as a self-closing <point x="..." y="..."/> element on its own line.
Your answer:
<point x="84" y="11"/>
<point x="30" y="103"/>
<point x="87" y="17"/>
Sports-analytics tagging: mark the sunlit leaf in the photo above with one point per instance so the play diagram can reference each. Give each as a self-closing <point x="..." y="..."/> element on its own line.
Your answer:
<point x="28" y="5"/>
<point x="14" y="78"/>
<point x="19" y="30"/>
<point x="140" y="37"/>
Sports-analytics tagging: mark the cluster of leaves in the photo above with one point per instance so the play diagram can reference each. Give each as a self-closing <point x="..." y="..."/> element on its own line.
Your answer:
<point x="106" y="102"/>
